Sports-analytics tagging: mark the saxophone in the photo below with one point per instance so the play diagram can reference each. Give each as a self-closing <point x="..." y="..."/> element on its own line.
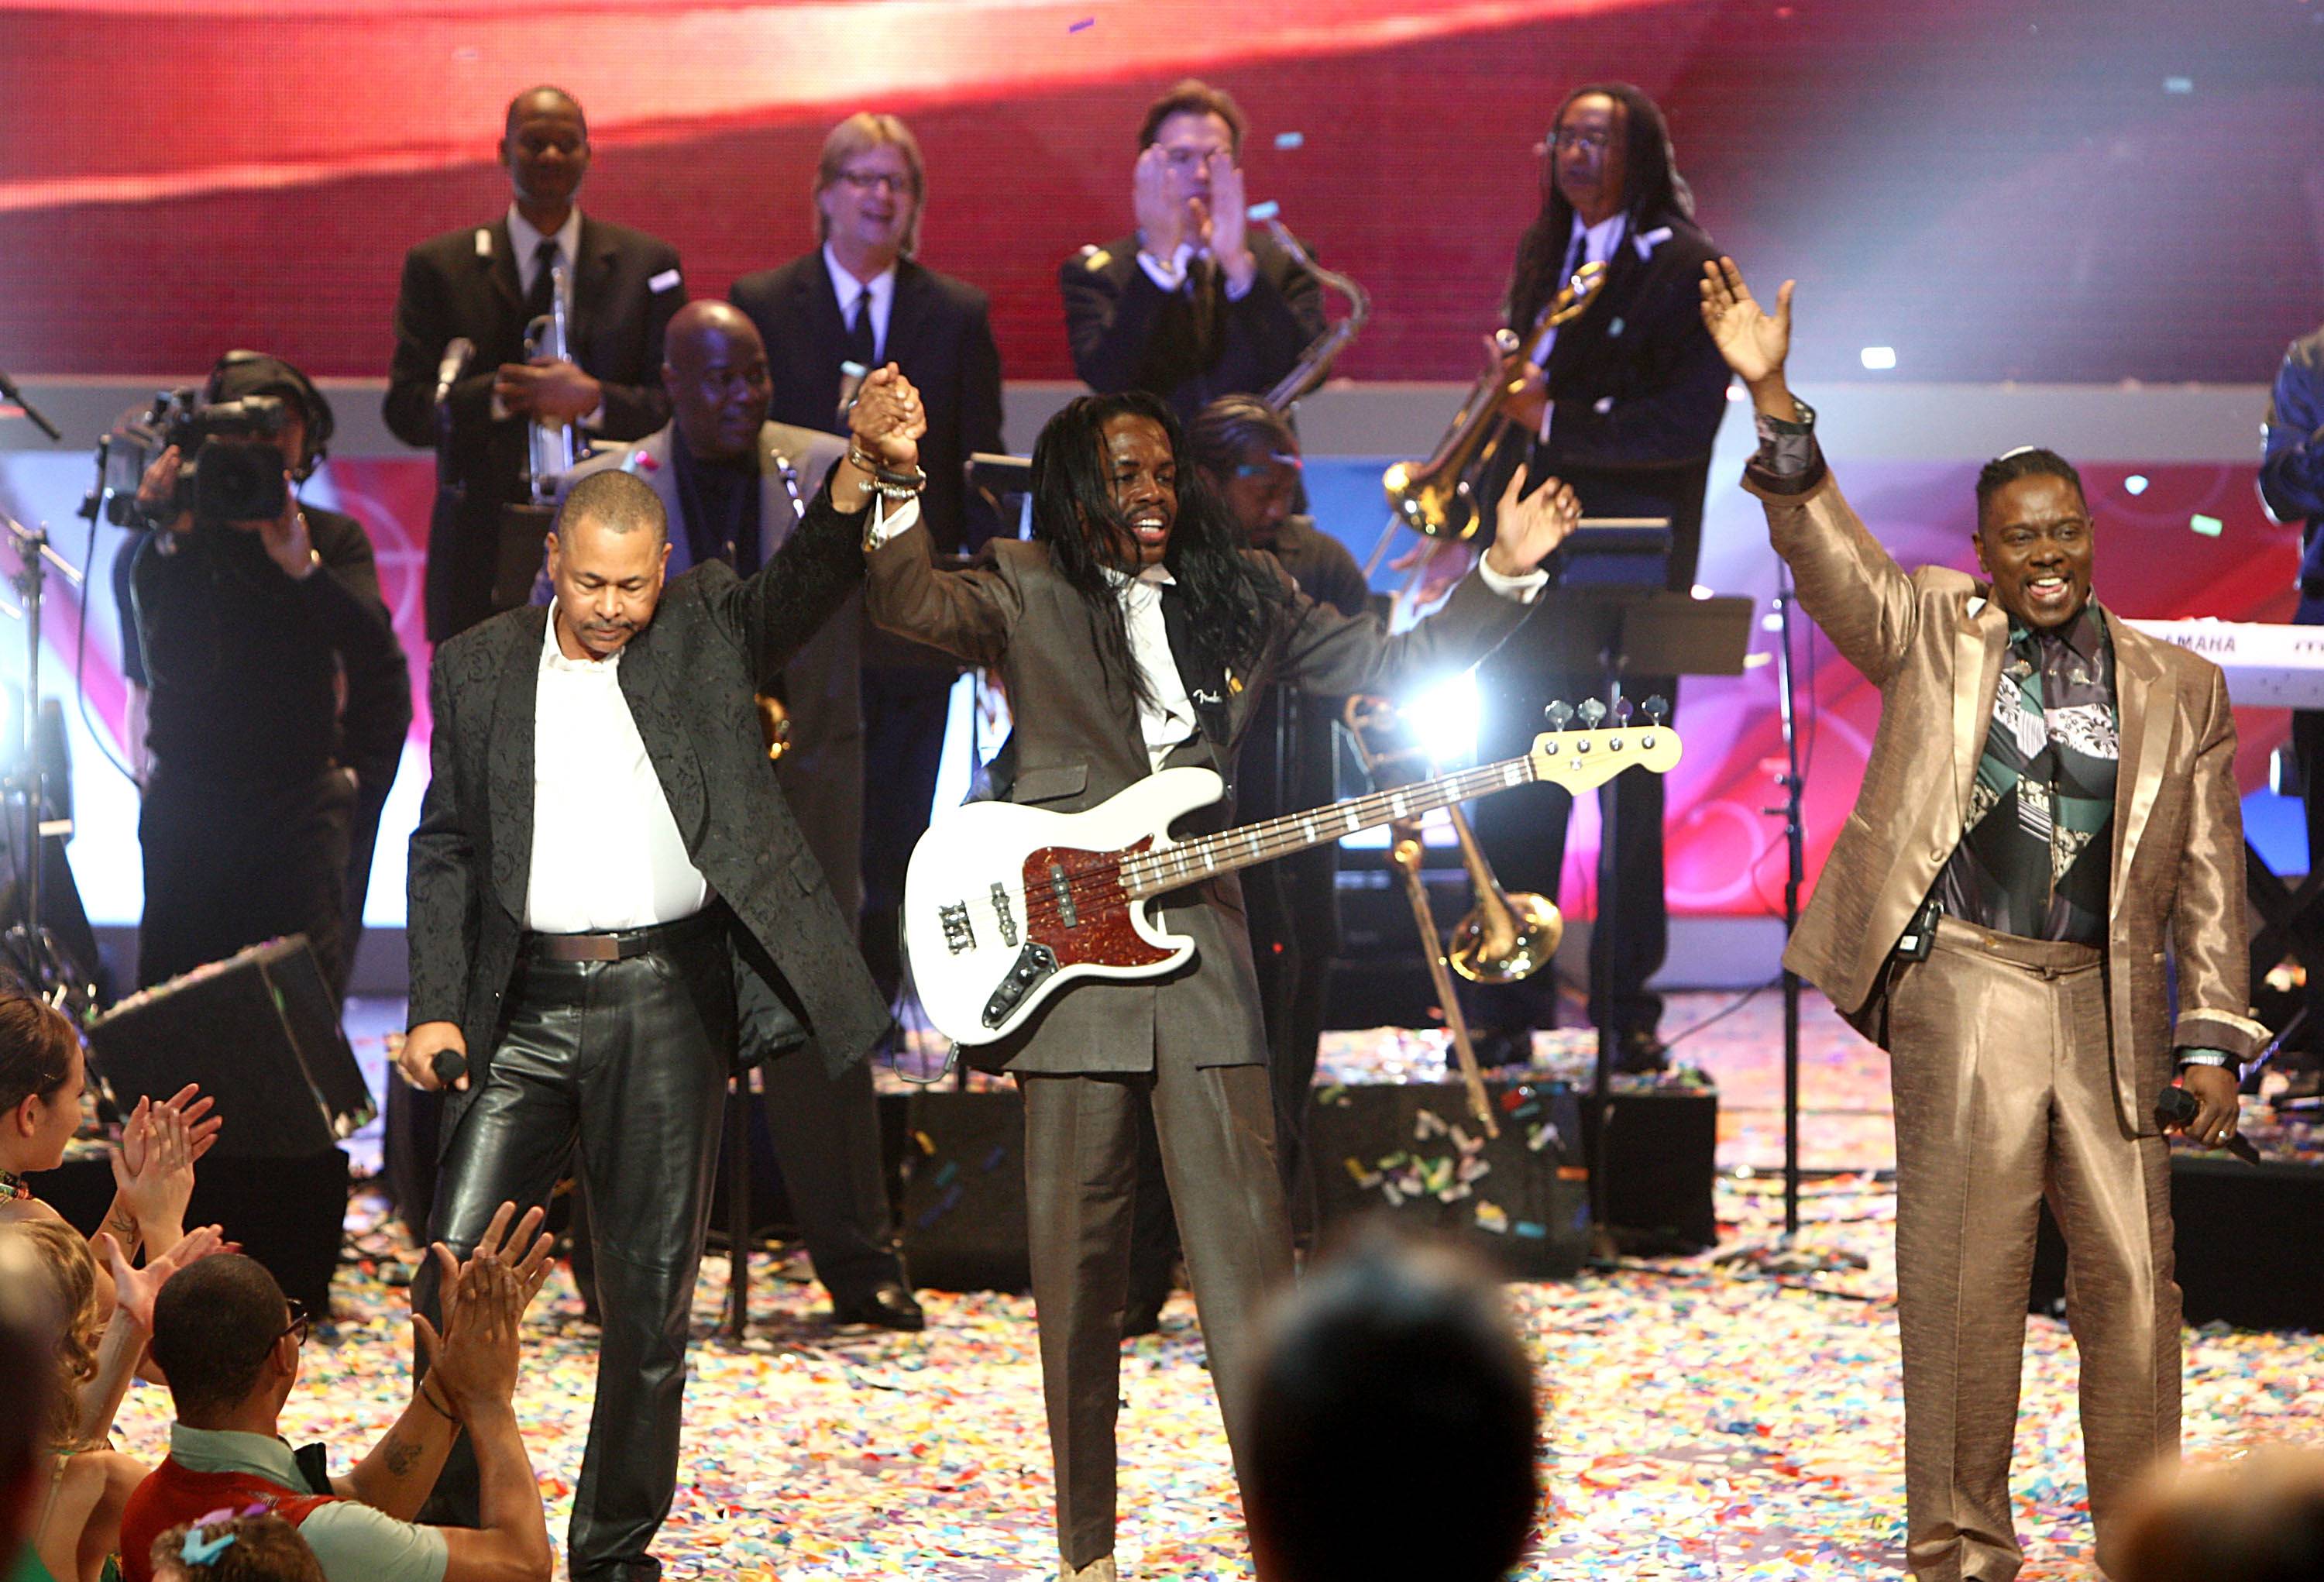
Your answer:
<point x="1315" y="363"/>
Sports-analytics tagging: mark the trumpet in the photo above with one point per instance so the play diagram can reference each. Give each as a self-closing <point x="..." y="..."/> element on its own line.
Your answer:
<point x="554" y="449"/>
<point x="1436" y="498"/>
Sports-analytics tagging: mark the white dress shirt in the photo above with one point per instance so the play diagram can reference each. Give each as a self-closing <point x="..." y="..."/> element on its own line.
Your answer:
<point x="882" y="289"/>
<point x="606" y="853"/>
<point x="525" y="242"/>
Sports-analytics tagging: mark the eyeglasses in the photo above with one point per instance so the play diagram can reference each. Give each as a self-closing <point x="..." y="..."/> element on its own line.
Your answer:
<point x="1187" y="158"/>
<point x="1594" y="141"/>
<point x="302" y="1321"/>
<point x="872" y="180"/>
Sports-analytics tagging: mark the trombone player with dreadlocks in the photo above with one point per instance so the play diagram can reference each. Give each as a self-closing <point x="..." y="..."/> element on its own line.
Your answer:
<point x="1134" y="633"/>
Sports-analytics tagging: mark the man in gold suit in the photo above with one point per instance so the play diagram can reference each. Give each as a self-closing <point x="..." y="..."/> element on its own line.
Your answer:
<point x="2050" y="794"/>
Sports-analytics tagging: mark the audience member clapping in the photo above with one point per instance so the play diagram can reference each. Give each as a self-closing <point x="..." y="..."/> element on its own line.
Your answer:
<point x="253" y="1546"/>
<point x="2261" y="1520"/>
<point x="43" y="1072"/>
<point x="1392" y="1423"/>
<point x="88" y="1481"/>
<point x="230" y="1343"/>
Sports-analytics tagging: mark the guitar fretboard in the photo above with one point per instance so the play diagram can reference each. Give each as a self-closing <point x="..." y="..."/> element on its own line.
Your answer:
<point x="1154" y="872"/>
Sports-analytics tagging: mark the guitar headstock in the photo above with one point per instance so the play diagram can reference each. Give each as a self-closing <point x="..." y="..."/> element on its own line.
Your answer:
<point x="1591" y="755"/>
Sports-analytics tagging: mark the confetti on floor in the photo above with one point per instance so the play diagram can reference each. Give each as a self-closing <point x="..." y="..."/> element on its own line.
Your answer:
<point x="1701" y="1421"/>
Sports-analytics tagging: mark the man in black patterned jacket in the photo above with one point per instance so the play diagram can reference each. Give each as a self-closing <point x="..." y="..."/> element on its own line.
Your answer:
<point x="610" y="898"/>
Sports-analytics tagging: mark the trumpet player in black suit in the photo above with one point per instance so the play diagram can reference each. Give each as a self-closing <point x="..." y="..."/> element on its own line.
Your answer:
<point x="1622" y="402"/>
<point x="484" y="284"/>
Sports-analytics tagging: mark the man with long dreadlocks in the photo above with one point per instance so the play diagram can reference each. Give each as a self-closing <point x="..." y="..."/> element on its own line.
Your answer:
<point x="1622" y="402"/>
<point x="1133" y="634"/>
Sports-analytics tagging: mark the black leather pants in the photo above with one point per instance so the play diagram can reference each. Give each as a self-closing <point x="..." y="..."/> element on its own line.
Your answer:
<point x="628" y="1061"/>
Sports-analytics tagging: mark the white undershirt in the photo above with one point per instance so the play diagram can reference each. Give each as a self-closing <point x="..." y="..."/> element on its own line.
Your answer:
<point x="1165" y="715"/>
<point x="606" y="853"/>
<point x="882" y="287"/>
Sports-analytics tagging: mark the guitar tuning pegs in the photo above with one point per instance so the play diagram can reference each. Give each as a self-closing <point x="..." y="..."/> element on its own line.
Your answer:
<point x="1621" y="711"/>
<point x="1558" y="713"/>
<point x="1657" y="709"/>
<point x="1590" y="712"/>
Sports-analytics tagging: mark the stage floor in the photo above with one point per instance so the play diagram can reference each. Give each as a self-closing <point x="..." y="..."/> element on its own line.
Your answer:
<point x="1699" y="1423"/>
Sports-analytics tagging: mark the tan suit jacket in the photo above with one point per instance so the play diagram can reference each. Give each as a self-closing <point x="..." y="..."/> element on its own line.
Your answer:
<point x="1933" y="642"/>
<point x="1075" y="740"/>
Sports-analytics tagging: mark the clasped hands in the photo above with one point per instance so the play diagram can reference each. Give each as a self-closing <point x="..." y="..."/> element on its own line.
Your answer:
<point x="548" y="391"/>
<point x="887" y="419"/>
<point x="474" y="1355"/>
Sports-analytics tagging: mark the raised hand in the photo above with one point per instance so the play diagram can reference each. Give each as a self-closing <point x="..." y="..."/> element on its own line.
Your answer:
<point x="1527" y="529"/>
<point x="888" y="419"/>
<point x="524" y="1249"/>
<point x="1754" y="342"/>
<point x="1230" y="241"/>
<point x="475" y="1356"/>
<point x="156" y="1192"/>
<point x="136" y="1289"/>
<point x="1161" y="214"/>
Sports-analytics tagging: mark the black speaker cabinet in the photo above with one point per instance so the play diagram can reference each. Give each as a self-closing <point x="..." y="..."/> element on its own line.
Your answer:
<point x="260" y="1032"/>
<point x="1661" y="1167"/>
<point x="964" y="1212"/>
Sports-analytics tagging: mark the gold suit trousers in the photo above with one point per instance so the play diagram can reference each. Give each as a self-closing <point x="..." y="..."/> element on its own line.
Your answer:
<point x="2004" y="1097"/>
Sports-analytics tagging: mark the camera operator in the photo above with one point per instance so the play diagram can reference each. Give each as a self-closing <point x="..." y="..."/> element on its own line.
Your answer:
<point x="279" y="696"/>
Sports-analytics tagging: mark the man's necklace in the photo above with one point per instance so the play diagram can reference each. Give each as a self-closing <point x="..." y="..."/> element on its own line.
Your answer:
<point x="12" y="1187"/>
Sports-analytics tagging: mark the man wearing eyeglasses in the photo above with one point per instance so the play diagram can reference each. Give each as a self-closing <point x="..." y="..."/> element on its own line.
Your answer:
<point x="1623" y="403"/>
<point x="1195" y="305"/>
<point x="864" y="297"/>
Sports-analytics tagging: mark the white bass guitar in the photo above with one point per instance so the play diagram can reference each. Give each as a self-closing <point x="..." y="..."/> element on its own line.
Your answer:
<point x="1005" y="905"/>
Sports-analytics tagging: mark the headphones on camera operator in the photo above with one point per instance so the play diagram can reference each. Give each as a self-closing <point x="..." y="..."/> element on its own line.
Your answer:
<point x="248" y="373"/>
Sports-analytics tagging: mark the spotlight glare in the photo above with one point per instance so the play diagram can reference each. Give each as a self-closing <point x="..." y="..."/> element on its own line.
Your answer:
<point x="2135" y="483"/>
<point x="1878" y="358"/>
<point x="2210" y="527"/>
<point x="1445" y="718"/>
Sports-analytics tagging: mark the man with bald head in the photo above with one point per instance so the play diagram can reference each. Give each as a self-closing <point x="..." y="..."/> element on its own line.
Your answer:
<point x="612" y="905"/>
<point x="484" y="284"/>
<point x="734" y="486"/>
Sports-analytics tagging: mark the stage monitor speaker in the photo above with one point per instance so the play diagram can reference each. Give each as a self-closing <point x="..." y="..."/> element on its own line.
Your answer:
<point x="260" y="1032"/>
<point x="963" y="1213"/>
<point x="1414" y="1154"/>
<point x="1661" y="1168"/>
<point x="2236" y="1230"/>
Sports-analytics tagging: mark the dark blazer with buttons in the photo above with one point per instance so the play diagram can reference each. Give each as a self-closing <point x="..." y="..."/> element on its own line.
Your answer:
<point x="1130" y="334"/>
<point x="1076" y="740"/>
<point x="939" y="332"/>
<point x="626" y="285"/>
<point x="689" y="678"/>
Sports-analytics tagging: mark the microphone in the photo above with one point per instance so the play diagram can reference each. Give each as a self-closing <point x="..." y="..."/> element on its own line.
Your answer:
<point x="456" y="357"/>
<point x="450" y="1065"/>
<point x="852" y="375"/>
<point x="2175" y="1106"/>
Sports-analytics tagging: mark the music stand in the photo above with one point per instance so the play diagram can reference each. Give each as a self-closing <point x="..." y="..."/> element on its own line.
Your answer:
<point x="996" y="478"/>
<point x="1614" y="630"/>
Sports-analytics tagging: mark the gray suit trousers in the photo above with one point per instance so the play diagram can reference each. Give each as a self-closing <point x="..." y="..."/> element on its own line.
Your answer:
<point x="1216" y="1126"/>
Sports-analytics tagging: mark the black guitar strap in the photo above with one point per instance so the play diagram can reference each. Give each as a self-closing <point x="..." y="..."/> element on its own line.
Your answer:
<point x="1205" y="684"/>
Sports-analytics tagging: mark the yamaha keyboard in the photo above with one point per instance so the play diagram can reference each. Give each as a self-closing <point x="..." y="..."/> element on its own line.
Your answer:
<point x="2267" y="666"/>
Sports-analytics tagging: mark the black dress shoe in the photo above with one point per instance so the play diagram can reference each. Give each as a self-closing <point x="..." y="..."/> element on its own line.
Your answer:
<point x="1142" y="1317"/>
<point x="890" y="1306"/>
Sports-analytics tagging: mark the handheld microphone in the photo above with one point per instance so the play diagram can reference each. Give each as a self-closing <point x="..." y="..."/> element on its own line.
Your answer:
<point x="2175" y="1106"/>
<point x="456" y="357"/>
<point x="852" y="375"/>
<point x="449" y="1066"/>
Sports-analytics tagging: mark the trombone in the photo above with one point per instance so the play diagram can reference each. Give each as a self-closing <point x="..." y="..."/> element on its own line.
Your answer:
<point x="1503" y="938"/>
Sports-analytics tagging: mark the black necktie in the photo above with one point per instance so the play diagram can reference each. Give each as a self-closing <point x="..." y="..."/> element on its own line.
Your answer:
<point x="1203" y="296"/>
<point x="541" y="300"/>
<point x="860" y="348"/>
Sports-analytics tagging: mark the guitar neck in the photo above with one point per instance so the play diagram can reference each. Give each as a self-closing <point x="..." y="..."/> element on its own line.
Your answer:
<point x="1150" y="872"/>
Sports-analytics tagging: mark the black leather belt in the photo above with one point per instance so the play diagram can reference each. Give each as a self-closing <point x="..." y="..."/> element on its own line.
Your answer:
<point x="622" y="944"/>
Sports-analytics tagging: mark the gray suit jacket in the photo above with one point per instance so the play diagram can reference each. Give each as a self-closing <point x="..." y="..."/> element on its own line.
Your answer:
<point x="688" y="679"/>
<point x="822" y="771"/>
<point x="1076" y="742"/>
<point x="1933" y="642"/>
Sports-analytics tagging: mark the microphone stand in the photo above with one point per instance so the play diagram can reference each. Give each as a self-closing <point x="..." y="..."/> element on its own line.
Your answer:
<point x="1783" y="1255"/>
<point x="27" y="943"/>
<point x="32" y="414"/>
